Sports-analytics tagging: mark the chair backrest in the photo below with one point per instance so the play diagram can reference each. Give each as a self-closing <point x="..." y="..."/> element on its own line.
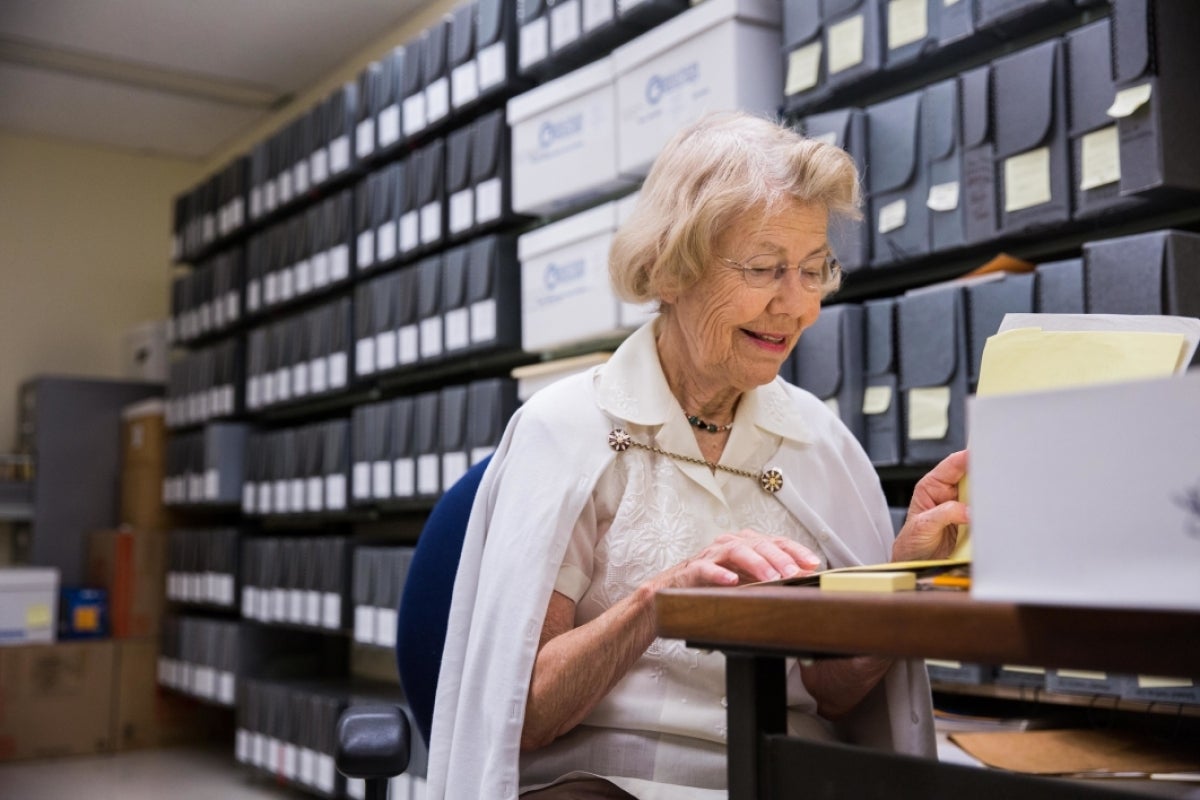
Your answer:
<point x="425" y="604"/>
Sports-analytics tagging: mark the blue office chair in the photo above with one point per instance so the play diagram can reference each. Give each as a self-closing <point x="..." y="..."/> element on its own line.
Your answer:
<point x="373" y="742"/>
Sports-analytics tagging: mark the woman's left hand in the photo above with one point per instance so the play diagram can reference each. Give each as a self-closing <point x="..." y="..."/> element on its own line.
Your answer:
<point x="931" y="528"/>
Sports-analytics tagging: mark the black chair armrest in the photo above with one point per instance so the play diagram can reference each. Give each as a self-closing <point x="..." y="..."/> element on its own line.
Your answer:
<point x="373" y="744"/>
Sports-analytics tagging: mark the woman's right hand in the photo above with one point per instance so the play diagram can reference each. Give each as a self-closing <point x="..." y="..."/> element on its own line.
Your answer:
<point x="744" y="556"/>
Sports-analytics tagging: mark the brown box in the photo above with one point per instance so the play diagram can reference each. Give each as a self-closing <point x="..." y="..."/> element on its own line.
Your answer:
<point x="131" y="565"/>
<point x="143" y="435"/>
<point x="146" y="715"/>
<point x="141" y="499"/>
<point x="56" y="699"/>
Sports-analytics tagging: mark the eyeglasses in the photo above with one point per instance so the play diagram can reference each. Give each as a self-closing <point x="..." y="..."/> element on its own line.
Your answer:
<point x="817" y="273"/>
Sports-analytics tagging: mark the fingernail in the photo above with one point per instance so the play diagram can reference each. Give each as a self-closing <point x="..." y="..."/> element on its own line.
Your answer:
<point x="790" y="570"/>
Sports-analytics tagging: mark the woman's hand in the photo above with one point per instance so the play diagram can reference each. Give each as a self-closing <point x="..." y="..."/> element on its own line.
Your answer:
<point x="745" y="556"/>
<point x="931" y="528"/>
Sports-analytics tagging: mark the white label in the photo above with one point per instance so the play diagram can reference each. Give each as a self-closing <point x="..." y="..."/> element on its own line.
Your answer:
<point x="331" y="610"/>
<point x="1157" y="682"/>
<point x="285" y="186"/>
<point x="319" y="165"/>
<point x="211" y="484"/>
<point x="877" y="399"/>
<point x="480" y="453"/>
<point x="534" y="46"/>
<point x="943" y="196"/>
<point x="414" y="114"/>
<point x="385" y="627"/>
<point x="803" y="68"/>
<point x="364" y="138"/>
<point x="366" y="249"/>
<point x="308" y="766"/>
<point x="596" y="13"/>
<point x="492" y="67"/>
<point x="1027" y="180"/>
<point x="364" y="356"/>
<point x="231" y="307"/>
<point x="431" y="222"/>
<point x="295" y="606"/>
<point x="256" y="202"/>
<point x="454" y="466"/>
<point x="381" y="480"/>
<point x="356" y="788"/>
<point x="325" y="773"/>
<point x="457" y="329"/>
<point x="337" y="370"/>
<point x="389" y="125"/>
<point x="464" y="82"/>
<point x="483" y="321"/>
<point x="241" y="746"/>
<point x="316" y="495"/>
<point x="893" y="215"/>
<point x="431" y="337"/>
<point x="195" y="488"/>
<point x="270" y="199"/>
<point x="287" y="287"/>
<point x="1081" y="674"/>
<point x="845" y="44"/>
<point x="279" y="598"/>
<point x="437" y="100"/>
<point x="335" y="492"/>
<point x="205" y="682"/>
<point x="266" y="388"/>
<point x="1100" y="158"/>
<point x="339" y="263"/>
<point x="290" y="761"/>
<point x="488" y="201"/>
<point x="283" y="384"/>
<point x="339" y="154"/>
<point x="462" y="210"/>
<point x="564" y="24"/>
<point x="385" y="241"/>
<point x="404" y="477"/>
<point x="258" y="749"/>
<point x="407" y="344"/>
<point x="300" y="379"/>
<point x="312" y="607"/>
<point x="264" y="498"/>
<point x="1129" y="100"/>
<point x="320" y="269"/>
<point x="410" y="235"/>
<point x="271" y="295"/>
<point x="296" y="490"/>
<point x="906" y="22"/>
<point x="227" y="398"/>
<point x="249" y="601"/>
<point x="225" y="590"/>
<point x="302" y="275"/>
<point x="226" y="688"/>
<point x="300" y="176"/>
<point x="318" y="375"/>
<point x="427" y="473"/>
<point x="361" y="480"/>
<point x="364" y="624"/>
<point x="928" y="413"/>
<point x="282" y="497"/>
<point x="385" y="350"/>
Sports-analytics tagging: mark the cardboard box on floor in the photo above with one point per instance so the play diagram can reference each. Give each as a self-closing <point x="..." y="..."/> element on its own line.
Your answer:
<point x="131" y="565"/>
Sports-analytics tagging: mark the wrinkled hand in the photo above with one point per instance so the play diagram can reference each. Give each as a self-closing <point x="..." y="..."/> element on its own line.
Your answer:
<point x="931" y="529"/>
<point x="742" y="557"/>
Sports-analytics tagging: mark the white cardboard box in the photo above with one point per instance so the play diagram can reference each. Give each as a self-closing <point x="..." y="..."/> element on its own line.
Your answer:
<point x="564" y="140"/>
<point x="1088" y="497"/>
<point x="28" y="605"/>
<point x="719" y="55"/>
<point x="632" y="315"/>
<point x="566" y="294"/>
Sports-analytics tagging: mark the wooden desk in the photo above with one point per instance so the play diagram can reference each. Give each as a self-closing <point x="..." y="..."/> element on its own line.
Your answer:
<point x="758" y="626"/>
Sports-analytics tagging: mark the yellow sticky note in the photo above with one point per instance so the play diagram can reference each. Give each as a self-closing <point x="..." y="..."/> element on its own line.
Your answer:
<point x="1157" y="682"/>
<point x="845" y="44"/>
<point x="804" y="69"/>
<point x="1027" y="179"/>
<point x="1129" y="100"/>
<point x="868" y="581"/>
<point x="928" y="413"/>
<point x="1100" y="158"/>
<point x="906" y="22"/>
<point x="832" y="404"/>
<point x="37" y="616"/>
<point x="877" y="399"/>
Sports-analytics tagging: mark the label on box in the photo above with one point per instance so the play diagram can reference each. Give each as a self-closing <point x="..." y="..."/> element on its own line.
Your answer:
<point x="270" y="199"/>
<point x="404" y="477"/>
<point x="381" y="480"/>
<point x="296" y="487"/>
<point x="308" y="767"/>
<point x="845" y="44"/>
<point x="1129" y="100"/>
<point x="264" y="498"/>
<point x="302" y="274"/>
<point x="335" y="492"/>
<point x="483" y="321"/>
<point x="492" y="65"/>
<point x="437" y="100"/>
<point x="339" y="154"/>
<point x="256" y="202"/>
<point x="488" y="201"/>
<point x="312" y="607"/>
<point x="407" y="351"/>
<point x="285" y="186"/>
<point x="266" y="607"/>
<point x="337" y="370"/>
<point x="366" y="249"/>
<point x="226" y="688"/>
<point x="596" y="13"/>
<point x="281" y="498"/>
<point x="287" y="288"/>
<point x="339" y="263"/>
<point x="893" y="215"/>
<point x="534" y="46"/>
<point x="356" y="788"/>
<point x="876" y="399"/>
<point x="209" y="587"/>
<point x="414" y="114"/>
<point x="458" y="329"/>
<point x="266" y="389"/>
<point x="410" y="231"/>
<point x="361" y="480"/>
<point x="295" y="609"/>
<point x="1081" y="674"/>
<point x="300" y="176"/>
<point x="803" y="68"/>
<point x="454" y="466"/>
<point x="1100" y="158"/>
<point x="427" y="473"/>
<point x="291" y="761"/>
<point x="385" y="627"/>
<point x="906" y="22"/>
<point x="241" y="747"/>
<point x="278" y="604"/>
<point x="300" y="379"/>
<point x="431" y="337"/>
<point x="1027" y="180"/>
<point x="224" y="590"/>
<point x="928" y="413"/>
<point x="319" y="165"/>
<point x="325" y="773"/>
<point x="385" y="350"/>
<point x="943" y="196"/>
<point x="385" y="241"/>
<point x="250" y="601"/>
<point x="564" y="24"/>
<point x="462" y="210"/>
<point x="271" y="291"/>
<point x="316" y="495"/>
<point x="195" y="488"/>
<point x="389" y="125"/>
<point x="431" y="222"/>
<point x="480" y="453"/>
<point x="364" y="624"/>
<point x="331" y="610"/>
<point x="464" y="84"/>
<point x="258" y="749"/>
<point x="320" y="269"/>
<point x="283" y="384"/>
<point x="318" y="375"/>
<point x="205" y="682"/>
<point x="364" y="138"/>
<point x="364" y="356"/>
<point x="211" y="484"/>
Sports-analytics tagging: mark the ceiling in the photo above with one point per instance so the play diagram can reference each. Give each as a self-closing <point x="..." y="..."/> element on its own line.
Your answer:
<point x="178" y="78"/>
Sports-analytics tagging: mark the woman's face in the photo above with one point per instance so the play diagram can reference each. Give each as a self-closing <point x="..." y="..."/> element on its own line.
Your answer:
<point x="737" y="335"/>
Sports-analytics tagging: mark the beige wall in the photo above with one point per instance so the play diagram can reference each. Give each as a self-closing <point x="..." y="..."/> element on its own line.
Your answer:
<point x="84" y="236"/>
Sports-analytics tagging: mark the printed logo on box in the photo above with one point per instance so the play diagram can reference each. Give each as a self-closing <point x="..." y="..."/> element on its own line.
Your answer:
<point x="558" y="275"/>
<point x="661" y="85"/>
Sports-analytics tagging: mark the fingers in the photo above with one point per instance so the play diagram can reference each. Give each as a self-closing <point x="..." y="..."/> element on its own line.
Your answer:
<point x="932" y="533"/>
<point x="950" y="469"/>
<point x="761" y="558"/>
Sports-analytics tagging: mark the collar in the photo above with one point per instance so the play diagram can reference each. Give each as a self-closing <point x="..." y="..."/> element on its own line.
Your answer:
<point x="631" y="386"/>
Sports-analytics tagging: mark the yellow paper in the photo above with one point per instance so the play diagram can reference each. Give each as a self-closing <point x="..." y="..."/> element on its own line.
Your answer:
<point x="804" y="69"/>
<point x="906" y="22"/>
<point x="1129" y="100"/>
<point x="1157" y="682"/>
<point x="1100" y="158"/>
<point x="877" y="399"/>
<point x="37" y="616"/>
<point x="928" y="413"/>
<point x="1082" y="674"/>
<point x="845" y="44"/>
<point x="1027" y="179"/>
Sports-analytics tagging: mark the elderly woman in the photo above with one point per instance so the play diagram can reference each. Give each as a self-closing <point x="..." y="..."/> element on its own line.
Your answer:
<point x="683" y="461"/>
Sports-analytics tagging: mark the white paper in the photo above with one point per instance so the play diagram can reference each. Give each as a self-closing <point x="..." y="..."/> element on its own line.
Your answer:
<point x="385" y="241"/>
<point x="287" y="287"/>
<point x="248" y="498"/>
<point x="427" y="474"/>
<point x="295" y="606"/>
<point x="364" y="356"/>
<point x="316" y="495"/>
<point x="1027" y="180"/>
<point x="457" y="329"/>
<point x="366" y="249"/>
<point x="462" y="210"/>
<point x="564" y="24"/>
<point x="320" y="269"/>
<point x="943" y="196"/>
<point x="300" y="379"/>
<point x="1129" y="100"/>
<point x="265" y="505"/>
<point x="364" y="624"/>
<point x="876" y="399"/>
<point x="492" y="66"/>
<point x="339" y="263"/>
<point x="431" y="337"/>
<point x="331" y="610"/>
<point x="845" y="40"/>
<point x="300" y="177"/>
<point x="337" y="370"/>
<point x="893" y="215"/>
<point x="488" y="201"/>
<point x="381" y="480"/>
<point x="308" y="766"/>
<point x="385" y="351"/>
<point x="318" y="165"/>
<point x="596" y="13"/>
<point x="906" y="22"/>
<point x="226" y="688"/>
<point x="407" y="350"/>
<point x="285" y="186"/>
<point x="535" y="41"/>
<point x="312" y="608"/>
<point x="364" y="139"/>
<point x="296" y="490"/>
<point x="803" y="68"/>
<point x="437" y="100"/>
<point x="1100" y="158"/>
<point x="464" y="82"/>
<point x="362" y="480"/>
<point x="335" y="492"/>
<point x="339" y="154"/>
<point x="414" y="114"/>
<point x="385" y="627"/>
<point x="318" y="375"/>
<point x="281" y="497"/>
<point x="325" y="773"/>
<point x="389" y="125"/>
<point x="271" y="289"/>
<point x="404" y="477"/>
<point x="483" y="321"/>
<point x="283" y="384"/>
<point x="454" y="466"/>
<point x="410" y="235"/>
<point x="431" y="222"/>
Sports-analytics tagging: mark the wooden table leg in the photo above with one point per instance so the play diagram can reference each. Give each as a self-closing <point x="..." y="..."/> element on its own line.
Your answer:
<point x="756" y="693"/>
